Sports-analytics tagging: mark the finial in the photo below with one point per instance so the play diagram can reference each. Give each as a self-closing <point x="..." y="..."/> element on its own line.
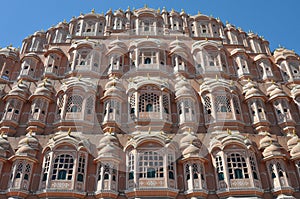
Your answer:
<point x="147" y="37"/>
<point x="130" y="79"/>
<point x="93" y="10"/>
<point x="79" y="78"/>
<point x="217" y="78"/>
<point x="65" y="21"/>
<point x="20" y="81"/>
<point x="191" y="141"/>
<point x="110" y="130"/>
<point x="249" y="80"/>
<point x="87" y="38"/>
<point x="30" y="132"/>
<point x="172" y="10"/>
<point x="44" y="81"/>
<point x="158" y="10"/>
<point x="128" y="8"/>
<point x="148" y="76"/>
<point x="227" y="22"/>
<point x="189" y="131"/>
<point x="182" y="10"/>
<point x="81" y="13"/>
<point x="149" y="131"/>
<point x="161" y="132"/>
<point x="206" y="39"/>
<point x="199" y="13"/>
<point x="272" y="81"/>
<point x="231" y="83"/>
<point x="229" y="132"/>
<point x="271" y="141"/>
<point x="145" y="6"/>
<point x="294" y="132"/>
<point x="69" y="132"/>
<point x="2" y="134"/>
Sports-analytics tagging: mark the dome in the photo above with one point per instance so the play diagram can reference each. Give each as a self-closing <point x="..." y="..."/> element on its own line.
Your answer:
<point x="108" y="146"/>
<point x="250" y="90"/>
<point x="4" y="146"/>
<point x="273" y="149"/>
<point x="19" y="89"/>
<point x="295" y="152"/>
<point x="295" y="91"/>
<point x="274" y="91"/>
<point x="108" y="138"/>
<point x="189" y="139"/>
<point x="283" y="53"/>
<point x="45" y="88"/>
<point x="28" y="145"/>
<point x="10" y="52"/>
<point x="114" y="88"/>
<point x="183" y="88"/>
<point x="292" y="142"/>
<point x="191" y="150"/>
<point x="264" y="142"/>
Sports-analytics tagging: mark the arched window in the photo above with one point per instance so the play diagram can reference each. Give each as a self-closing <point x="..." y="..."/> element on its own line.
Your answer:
<point x="63" y="167"/>
<point x="237" y="167"/>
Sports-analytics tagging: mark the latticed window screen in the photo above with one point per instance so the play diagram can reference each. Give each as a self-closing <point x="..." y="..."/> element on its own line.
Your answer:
<point x="27" y="172"/>
<point x="46" y="167"/>
<point x="279" y="169"/>
<point x="253" y="167"/>
<point x="99" y="172"/>
<point x="207" y="105"/>
<point x="171" y="166"/>
<point x="131" y="166"/>
<point x="220" y="168"/>
<point x="90" y="105"/>
<point x="272" y="172"/>
<point x="74" y="103"/>
<point x="298" y="167"/>
<point x="237" y="167"/>
<point x="222" y="103"/>
<point x="166" y="103"/>
<point x="149" y="102"/>
<point x="236" y="105"/>
<point x="187" y="172"/>
<point x="151" y="165"/>
<point x="63" y="167"/>
<point x="19" y="169"/>
<point x="60" y="104"/>
<point x="132" y="104"/>
<point x="81" y="168"/>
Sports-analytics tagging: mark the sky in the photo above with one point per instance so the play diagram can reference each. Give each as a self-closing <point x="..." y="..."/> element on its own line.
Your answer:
<point x="276" y="20"/>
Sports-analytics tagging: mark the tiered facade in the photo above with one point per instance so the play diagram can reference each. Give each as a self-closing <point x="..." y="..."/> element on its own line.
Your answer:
<point x="148" y="104"/>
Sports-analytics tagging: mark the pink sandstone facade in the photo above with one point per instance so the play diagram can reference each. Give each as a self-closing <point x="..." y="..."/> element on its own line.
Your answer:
<point x="147" y="103"/>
